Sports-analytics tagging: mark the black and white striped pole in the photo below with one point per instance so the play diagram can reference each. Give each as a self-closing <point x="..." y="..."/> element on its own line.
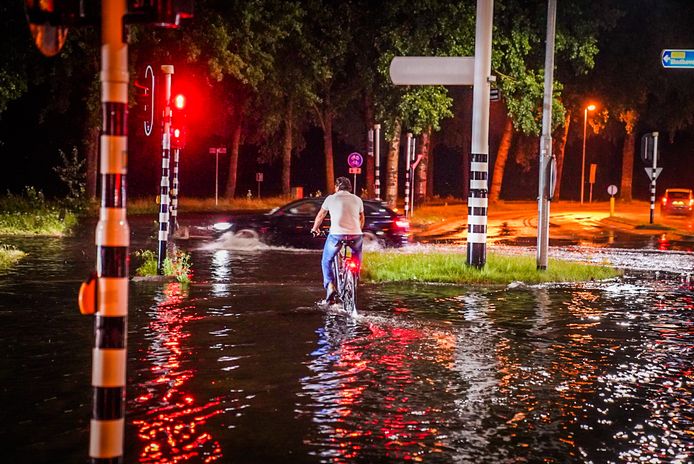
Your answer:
<point x="109" y="291"/>
<point x="174" y="191"/>
<point x="412" y="166"/>
<point x="408" y="146"/>
<point x="168" y="70"/>
<point x="654" y="173"/>
<point x="479" y="159"/>
<point x="377" y="155"/>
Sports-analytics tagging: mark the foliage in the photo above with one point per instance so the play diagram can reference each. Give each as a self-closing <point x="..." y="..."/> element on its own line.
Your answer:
<point x="447" y="267"/>
<point x="9" y="256"/>
<point x="72" y="173"/>
<point x="31" y="214"/>
<point x="178" y="266"/>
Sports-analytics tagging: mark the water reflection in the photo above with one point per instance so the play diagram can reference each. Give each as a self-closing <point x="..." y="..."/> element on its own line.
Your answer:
<point x="173" y="428"/>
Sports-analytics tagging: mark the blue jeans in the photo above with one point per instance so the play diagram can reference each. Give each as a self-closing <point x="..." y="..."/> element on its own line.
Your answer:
<point x="331" y="248"/>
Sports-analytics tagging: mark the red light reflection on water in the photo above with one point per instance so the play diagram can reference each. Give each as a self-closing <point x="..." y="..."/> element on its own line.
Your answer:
<point x="172" y="429"/>
<point x="403" y="429"/>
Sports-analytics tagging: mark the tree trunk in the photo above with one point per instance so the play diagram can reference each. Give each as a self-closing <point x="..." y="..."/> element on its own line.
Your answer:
<point x="91" y="147"/>
<point x="629" y="119"/>
<point x="370" y="160"/>
<point x="230" y="191"/>
<point x="287" y="148"/>
<point x="391" y="176"/>
<point x="328" y="152"/>
<point x="559" y="154"/>
<point x="422" y="171"/>
<point x="430" y="169"/>
<point x="501" y="158"/>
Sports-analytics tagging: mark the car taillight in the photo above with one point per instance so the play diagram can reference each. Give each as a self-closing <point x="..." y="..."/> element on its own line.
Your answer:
<point x="665" y="200"/>
<point x="402" y="224"/>
<point x="691" y="202"/>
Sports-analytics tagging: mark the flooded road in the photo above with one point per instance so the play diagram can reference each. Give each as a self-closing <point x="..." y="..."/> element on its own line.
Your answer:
<point x="241" y="366"/>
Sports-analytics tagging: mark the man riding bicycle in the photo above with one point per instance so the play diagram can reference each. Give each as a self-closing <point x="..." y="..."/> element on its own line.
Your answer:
<point x="346" y="220"/>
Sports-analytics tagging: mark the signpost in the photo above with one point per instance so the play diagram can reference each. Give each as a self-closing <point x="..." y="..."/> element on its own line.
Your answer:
<point x="612" y="190"/>
<point x="216" y="151"/>
<point x="649" y="154"/>
<point x="258" y="179"/>
<point x="591" y="181"/>
<point x="475" y="71"/>
<point x="354" y="161"/>
<point x="677" y="59"/>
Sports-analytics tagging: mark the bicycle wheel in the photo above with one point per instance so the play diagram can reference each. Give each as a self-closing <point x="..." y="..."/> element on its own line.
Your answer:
<point x="337" y="272"/>
<point x="349" y="301"/>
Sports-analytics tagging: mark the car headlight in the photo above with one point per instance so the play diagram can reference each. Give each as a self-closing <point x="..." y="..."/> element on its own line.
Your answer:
<point x="222" y="226"/>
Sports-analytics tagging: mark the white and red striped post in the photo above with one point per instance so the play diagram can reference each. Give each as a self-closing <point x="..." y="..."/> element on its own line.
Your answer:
<point x="377" y="155"/>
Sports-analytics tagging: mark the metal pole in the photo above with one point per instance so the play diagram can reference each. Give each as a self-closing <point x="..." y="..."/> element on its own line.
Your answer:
<point x="377" y="137"/>
<point x="408" y="147"/>
<point x="216" y="177"/>
<point x="653" y="173"/>
<point x="168" y="70"/>
<point x="583" y="159"/>
<point x="543" y="201"/>
<point x="479" y="157"/>
<point x="112" y="241"/>
<point x="174" y="192"/>
<point x="258" y="190"/>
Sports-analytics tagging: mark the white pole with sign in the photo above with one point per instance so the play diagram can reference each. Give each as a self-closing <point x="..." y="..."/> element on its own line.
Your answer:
<point x="612" y="190"/>
<point x="216" y="151"/>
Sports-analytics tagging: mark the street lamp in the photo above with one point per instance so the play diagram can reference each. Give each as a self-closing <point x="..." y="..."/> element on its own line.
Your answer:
<point x="583" y="161"/>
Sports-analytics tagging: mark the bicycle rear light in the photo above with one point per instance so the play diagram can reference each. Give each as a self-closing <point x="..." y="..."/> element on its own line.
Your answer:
<point x="352" y="264"/>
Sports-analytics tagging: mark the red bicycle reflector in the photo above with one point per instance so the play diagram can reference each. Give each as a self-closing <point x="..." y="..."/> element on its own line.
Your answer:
<point x="353" y="265"/>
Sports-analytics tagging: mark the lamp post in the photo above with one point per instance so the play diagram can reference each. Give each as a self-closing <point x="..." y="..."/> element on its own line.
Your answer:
<point x="583" y="162"/>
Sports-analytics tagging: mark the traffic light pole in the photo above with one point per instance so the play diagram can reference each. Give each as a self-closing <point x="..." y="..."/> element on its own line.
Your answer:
<point x="654" y="176"/>
<point x="112" y="242"/>
<point x="168" y="70"/>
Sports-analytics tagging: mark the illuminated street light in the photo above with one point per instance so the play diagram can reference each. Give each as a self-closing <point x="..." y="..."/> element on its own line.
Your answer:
<point x="583" y="161"/>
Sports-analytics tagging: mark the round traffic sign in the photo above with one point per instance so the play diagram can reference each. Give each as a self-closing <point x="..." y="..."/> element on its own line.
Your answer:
<point x="612" y="190"/>
<point x="355" y="160"/>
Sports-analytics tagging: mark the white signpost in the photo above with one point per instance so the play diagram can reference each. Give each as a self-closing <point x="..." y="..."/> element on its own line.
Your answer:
<point x="475" y="71"/>
<point x="216" y="151"/>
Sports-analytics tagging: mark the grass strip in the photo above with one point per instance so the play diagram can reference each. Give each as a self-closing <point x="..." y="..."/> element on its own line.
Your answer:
<point x="9" y="256"/>
<point x="447" y="267"/>
<point x="38" y="222"/>
<point x="149" y="205"/>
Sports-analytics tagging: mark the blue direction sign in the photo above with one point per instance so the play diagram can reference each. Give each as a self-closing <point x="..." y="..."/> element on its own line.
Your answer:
<point x="677" y="58"/>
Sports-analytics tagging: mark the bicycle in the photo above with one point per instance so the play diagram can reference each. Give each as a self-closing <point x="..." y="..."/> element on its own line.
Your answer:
<point x="346" y="269"/>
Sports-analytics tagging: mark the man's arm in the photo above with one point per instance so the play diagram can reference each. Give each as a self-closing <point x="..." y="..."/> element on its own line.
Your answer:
<point x="319" y="220"/>
<point x="362" y="218"/>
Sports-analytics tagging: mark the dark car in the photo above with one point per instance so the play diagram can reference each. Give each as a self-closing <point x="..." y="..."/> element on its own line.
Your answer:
<point x="290" y="225"/>
<point x="677" y="201"/>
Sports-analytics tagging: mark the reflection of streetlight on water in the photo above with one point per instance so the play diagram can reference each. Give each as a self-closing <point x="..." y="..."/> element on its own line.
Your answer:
<point x="583" y="162"/>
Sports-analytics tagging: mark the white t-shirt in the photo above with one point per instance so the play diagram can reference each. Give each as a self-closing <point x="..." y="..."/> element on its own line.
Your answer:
<point x="344" y="209"/>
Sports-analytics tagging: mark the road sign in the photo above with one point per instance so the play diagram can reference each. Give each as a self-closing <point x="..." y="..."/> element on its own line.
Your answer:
<point x="355" y="170"/>
<point x="649" y="171"/>
<point x="217" y="150"/>
<point x="648" y="147"/>
<point x="258" y="176"/>
<point x="677" y="58"/>
<point x="612" y="190"/>
<point x="354" y="160"/>
<point x="593" y="170"/>
<point x="432" y="70"/>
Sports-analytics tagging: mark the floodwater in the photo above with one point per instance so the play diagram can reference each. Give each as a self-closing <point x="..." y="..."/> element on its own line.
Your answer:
<point x="241" y="366"/>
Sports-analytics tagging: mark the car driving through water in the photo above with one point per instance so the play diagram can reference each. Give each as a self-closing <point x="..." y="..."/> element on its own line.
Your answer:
<point x="290" y="225"/>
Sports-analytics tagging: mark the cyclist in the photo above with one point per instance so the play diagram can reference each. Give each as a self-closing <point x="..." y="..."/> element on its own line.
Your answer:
<point x="346" y="221"/>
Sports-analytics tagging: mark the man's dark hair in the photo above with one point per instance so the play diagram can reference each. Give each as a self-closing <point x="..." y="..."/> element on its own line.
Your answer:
<point x="343" y="183"/>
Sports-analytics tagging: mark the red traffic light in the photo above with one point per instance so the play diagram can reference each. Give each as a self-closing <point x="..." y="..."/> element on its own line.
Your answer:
<point x="179" y="101"/>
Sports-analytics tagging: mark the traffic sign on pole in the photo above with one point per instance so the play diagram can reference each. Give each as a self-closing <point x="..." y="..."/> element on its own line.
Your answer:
<point x="677" y="59"/>
<point x="432" y="70"/>
<point x="649" y="171"/>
